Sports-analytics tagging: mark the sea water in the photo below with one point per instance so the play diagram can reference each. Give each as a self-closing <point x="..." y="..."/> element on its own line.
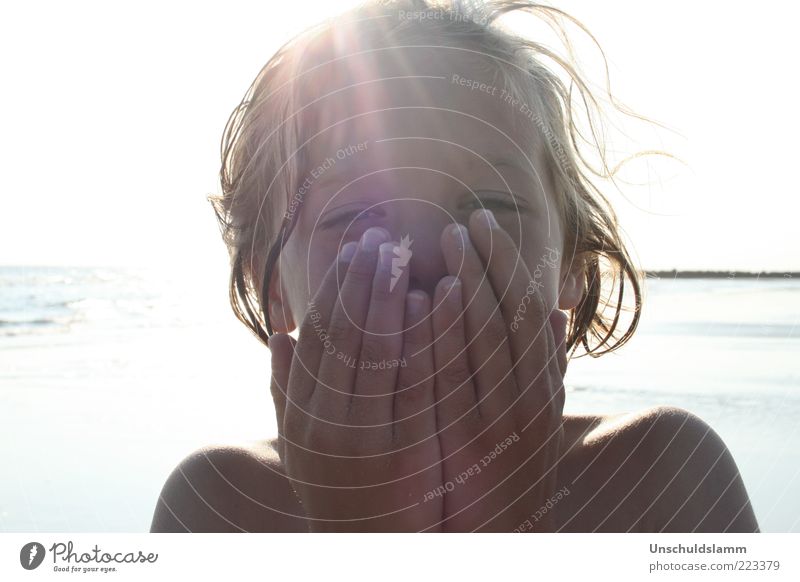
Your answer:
<point x="109" y="377"/>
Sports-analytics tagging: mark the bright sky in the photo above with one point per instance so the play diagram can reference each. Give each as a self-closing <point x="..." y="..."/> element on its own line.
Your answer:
<point x="111" y="118"/>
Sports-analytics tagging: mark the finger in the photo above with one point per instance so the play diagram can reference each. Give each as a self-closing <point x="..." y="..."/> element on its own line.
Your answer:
<point x="488" y="347"/>
<point x="558" y="322"/>
<point x="338" y="365"/>
<point x="454" y="388"/>
<point x="557" y="365"/>
<point x="313" y="338"/>
<point x="414" y="400"/>
<point x="281" y="348"/>
<point x="522" y="303"/>
<point x="549" y="405"/>
<point x="382" y="340"/>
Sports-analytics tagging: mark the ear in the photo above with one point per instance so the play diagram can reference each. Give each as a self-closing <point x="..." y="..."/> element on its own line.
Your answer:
<point x="572" y="283"/>
<point x="280" y="312"/>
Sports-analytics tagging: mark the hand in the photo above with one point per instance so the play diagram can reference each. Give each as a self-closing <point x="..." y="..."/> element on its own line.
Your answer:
<point x="500" y="396"/>
<point x="356" y="409"/>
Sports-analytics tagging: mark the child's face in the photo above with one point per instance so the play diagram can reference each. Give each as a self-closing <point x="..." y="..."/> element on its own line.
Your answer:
<point x="414" y="155"/>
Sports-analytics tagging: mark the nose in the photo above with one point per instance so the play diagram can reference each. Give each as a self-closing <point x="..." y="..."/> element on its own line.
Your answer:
<point x="422" y="224"/>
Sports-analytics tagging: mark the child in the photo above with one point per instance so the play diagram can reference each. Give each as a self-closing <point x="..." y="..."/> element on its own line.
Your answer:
<point x="404" y="187"/>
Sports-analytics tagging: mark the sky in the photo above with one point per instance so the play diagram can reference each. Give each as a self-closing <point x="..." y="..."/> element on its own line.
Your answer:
<point x="111" y="117"/>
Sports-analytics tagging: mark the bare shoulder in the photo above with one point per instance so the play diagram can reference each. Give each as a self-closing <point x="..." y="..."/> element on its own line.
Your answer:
<point x="231" y="488"/>
<point x="659" y="469"/>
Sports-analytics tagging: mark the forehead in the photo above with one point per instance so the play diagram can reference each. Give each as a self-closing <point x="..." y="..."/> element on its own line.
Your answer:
<point x="429" y="104"/>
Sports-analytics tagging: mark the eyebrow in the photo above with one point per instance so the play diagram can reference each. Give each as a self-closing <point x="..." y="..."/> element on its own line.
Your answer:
<point x="338" y="173"/>
<point x="500" y="161"/>
<point x="528" y="169"/>
<point x="335" y="174"/>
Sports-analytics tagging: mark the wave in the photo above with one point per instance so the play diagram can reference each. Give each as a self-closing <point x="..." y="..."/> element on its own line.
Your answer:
<point x="25" y="322"/>
<point x="727" y="329"/>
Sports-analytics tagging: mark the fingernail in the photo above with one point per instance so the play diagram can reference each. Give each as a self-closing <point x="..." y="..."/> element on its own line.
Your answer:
<point x="372" y="239"/>
<point x="386" y="251"/>
<point x="415" y="299"/>
<point x="488" y="218"/>
<point x="461" y="234"/>
<point x="347" y="251"/>
<point x="454" y="291"/>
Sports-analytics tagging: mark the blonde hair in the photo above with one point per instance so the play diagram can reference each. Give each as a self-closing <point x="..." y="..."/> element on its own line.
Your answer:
<point x="261" y="157"/>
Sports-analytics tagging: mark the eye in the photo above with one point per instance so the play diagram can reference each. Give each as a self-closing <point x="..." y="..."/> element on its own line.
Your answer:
<point x="495" y="200"/>
<point x="351" y="216"/>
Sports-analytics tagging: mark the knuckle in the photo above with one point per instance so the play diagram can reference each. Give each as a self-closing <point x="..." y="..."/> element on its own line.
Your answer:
<point x="296" y="425"/>
<point x="318" y="436"/>
<point x="417" y="336"/>
<point x="381" y="292"/>
<point x="504" y="246"/>
<point x="472" y="270"/>
<point x="361" y="273"/>
<point x="295" y="431"/>
<point x="412" y="388"/>
<point x="277" y="389"/>
<point x="536" y="304"/>
<point x="454" y="328"/>
<point x="456" y="372"/>
<point x="494" y="331"/>
<point x="340" y="330"/>
<point x="315" y="439"/>
<point x="410" y="394"/>
<point x="373" y="349"/>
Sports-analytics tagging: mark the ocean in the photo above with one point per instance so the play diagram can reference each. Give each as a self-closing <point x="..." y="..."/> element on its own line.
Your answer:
<point x="110" y="376"/>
